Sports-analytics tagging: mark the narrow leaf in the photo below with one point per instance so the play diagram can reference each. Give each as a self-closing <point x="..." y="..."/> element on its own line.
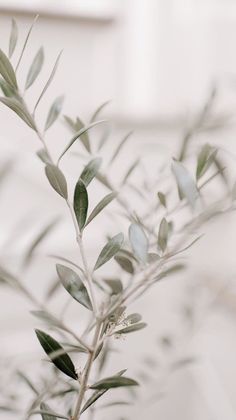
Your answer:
<point x="120" y="146"/>
<point x="101" y="205"/>
<point x="43" y="156"/>
<point x="57" y="180"/>
<point x="163" y="235"/>
<point x="130" y="171"/>
<point x="185" y="183"/>
<point x="49" y="81"/>
<point x="114" y="382"/>
<point x="132" y="328"/>
<point x="26" y="41"/>
<point x="35" y="68"/>
<point x="7" y="71"/>
<point x="162" y="198"/>
<point x="63" y="362"/>
<point x="115" y="285"/>
<point x="74" y="285"/>
<point x="97" y="394"/>
<point x="78" y="135"/>
<point x="19" y="108"/>
<point x="205" y="158"/>
<point x="79" y="125"/>
<point x="139" y="242"/>
<point x="90" y="171"/>
<point x="81" y="203"/>
<point x="54" y="112"/>
<point x="98" y="111"/>
<point x="109" y="250"/>
<point x="133" y="318"/>
<point x="125" y="263"/>
<point x="13" y="38"/>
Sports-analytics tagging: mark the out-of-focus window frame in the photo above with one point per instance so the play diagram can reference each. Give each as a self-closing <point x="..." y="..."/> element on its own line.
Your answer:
<point x="91" y="9"/>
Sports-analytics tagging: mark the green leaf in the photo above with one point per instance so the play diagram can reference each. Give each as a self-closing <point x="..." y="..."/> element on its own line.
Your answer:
<point x="13" y="38"/>
<point x="120" y="146"/>
<point x="19" y="108"/>
<point x="90" y="171"/>
<point x="81" y="203"/>
<point x="115" y="285"/>
<point x="133" y="318"/>
<point x="99" y="110"/>
<point x="35" y="68"/>
<point x="132" y="328"/>
<point x="79" y="125"/>
<point x="7" y="89"/>
<point x="54" y="112"/>
<point x="139" y="242"/>
<point x="43" y="156"/>
<point x="163" y="235"/>
<point x="7" y="71"/>
<point x="94" y="397"/>
<point x="205" y="158"/>
<point x="57" y="180"/>
<point x="185" y="183"/>
<point x="130" y="171"/>
<point x="26" y="41"/>
<point x="109" y="250"/>
<point x="63" y="362"/>
<point x="101" y="205"/>
<point x="38" y="239"/>
<point x="162" y="198"/>
<point x="114" y="382"/>
<point x="97" y="394"/>
<point x="78" y="135"/>
<point x="74" y="285"/>
<point x="49" y="81"/>
<point x="46" y="409"/>
<point x="125" y="263"/>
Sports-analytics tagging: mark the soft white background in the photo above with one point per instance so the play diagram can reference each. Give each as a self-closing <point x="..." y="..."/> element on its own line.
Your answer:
<point x="156" y="60"/>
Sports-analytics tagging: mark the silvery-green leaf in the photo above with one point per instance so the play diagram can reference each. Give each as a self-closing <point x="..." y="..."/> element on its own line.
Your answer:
<point x="132" y="328"/>
<point x="98" y="111"/>
<point x="115" y="285"/>
<point x="130" y="171"/>
<point x="35" y="68"/>
<point x="54" y="112"/>
<point x="133" y="318"/>
<point x="120" y="146"/>
<point x="19" y="108"/>
<point x="13" y="38"/>
<point x="43" y="156"/>
<point x="101" y="205"/>
<point x="78" y="135"/>
<point x="163" y="235"/>
<point x="81" y="203"/>
<point x="38" y="239"/>
<point x="114" y="382"/>
<point x="97" y="394"/>
<point x="205" y="158"/>
<point x="139" y="242"/>
<point x="74" y="285"/>
<point x="7" y="89"/>
<point x="7" y="71"/>
<point x="79" y="125"/>
<point x="46" y="409"/>
<point x="57" y="179"/>
<point x="162" y="198"/>
<point x="26" y="41"/>
<point x="125" y="263"/>
<point x="90" y="171"/>
<point x="109" y="250"/>
<point x="63" y="362"/>
<point x="50" y="79"/>
<point x="185" y="182"/>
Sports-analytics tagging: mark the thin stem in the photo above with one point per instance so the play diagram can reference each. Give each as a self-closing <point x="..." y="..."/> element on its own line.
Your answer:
<point x="87" y="370"/>
<point x="79" y="240"/>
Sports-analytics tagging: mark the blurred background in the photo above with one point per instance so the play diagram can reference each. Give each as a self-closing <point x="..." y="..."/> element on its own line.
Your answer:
<point x="157" y="61"/>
